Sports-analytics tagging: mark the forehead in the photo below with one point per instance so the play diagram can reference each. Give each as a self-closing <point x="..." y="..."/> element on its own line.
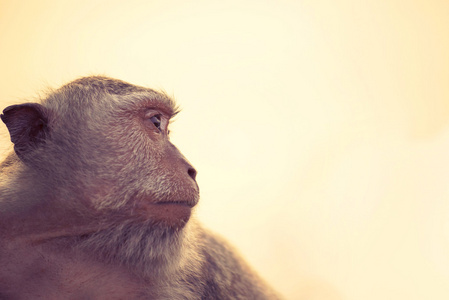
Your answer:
<point x="111" y="94"/>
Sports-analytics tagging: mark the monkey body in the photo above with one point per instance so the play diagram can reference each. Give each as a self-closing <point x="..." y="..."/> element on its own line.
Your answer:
<point x="97" y="203"/>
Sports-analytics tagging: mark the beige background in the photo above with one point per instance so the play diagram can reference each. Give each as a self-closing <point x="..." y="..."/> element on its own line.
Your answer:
<point x="320" y="129"/>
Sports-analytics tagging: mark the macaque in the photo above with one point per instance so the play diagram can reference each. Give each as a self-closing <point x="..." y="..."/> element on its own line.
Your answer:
<point x="97" y="203"/>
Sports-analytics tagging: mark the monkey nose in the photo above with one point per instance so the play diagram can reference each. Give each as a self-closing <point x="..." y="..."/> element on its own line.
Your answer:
<point x="192" y="172"/>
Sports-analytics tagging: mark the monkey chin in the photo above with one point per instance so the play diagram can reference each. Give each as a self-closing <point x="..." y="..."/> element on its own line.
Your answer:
<point x="173" y="215"/>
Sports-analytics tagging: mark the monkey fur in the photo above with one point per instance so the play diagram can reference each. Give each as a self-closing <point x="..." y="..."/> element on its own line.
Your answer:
<point x="96" y="203"/>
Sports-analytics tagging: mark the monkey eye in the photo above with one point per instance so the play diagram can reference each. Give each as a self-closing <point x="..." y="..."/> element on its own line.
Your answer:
<point x="156" y="120"/>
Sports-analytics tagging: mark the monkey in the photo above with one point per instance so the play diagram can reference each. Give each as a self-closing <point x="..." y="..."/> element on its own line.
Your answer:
<point x="97" y="203"/>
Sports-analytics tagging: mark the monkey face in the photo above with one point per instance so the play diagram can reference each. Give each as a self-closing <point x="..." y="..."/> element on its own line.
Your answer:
<point x="146" y="175"/>
<point x="168" y="190"/>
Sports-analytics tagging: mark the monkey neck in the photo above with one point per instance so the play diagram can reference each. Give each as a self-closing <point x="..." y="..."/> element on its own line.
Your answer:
<point x="151" y="251"/>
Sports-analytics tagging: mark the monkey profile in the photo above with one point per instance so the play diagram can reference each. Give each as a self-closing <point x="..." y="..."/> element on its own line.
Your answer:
<point x="97" y="203"/>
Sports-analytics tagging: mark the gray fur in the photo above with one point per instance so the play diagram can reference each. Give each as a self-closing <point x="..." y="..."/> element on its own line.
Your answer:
<point x="74" y="222"/>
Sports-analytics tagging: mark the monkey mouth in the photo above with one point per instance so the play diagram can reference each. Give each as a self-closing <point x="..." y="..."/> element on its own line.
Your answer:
<point x="174" y="214"/>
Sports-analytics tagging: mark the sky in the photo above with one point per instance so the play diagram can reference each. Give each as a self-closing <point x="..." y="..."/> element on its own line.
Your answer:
<point x="319" y="129"/>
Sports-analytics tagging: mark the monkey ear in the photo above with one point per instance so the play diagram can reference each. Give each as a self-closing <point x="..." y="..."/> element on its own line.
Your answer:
<point x="28" y="126"/>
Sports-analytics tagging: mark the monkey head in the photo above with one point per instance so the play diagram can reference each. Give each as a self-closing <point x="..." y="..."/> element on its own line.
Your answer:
<point x="100" y="148"/>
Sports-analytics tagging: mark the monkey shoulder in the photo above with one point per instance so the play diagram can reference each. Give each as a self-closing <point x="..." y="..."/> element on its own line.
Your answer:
<point x="225" y="275"/>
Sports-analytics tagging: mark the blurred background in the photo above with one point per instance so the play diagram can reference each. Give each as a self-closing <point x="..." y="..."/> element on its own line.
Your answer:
<point x="320" y="129"/>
